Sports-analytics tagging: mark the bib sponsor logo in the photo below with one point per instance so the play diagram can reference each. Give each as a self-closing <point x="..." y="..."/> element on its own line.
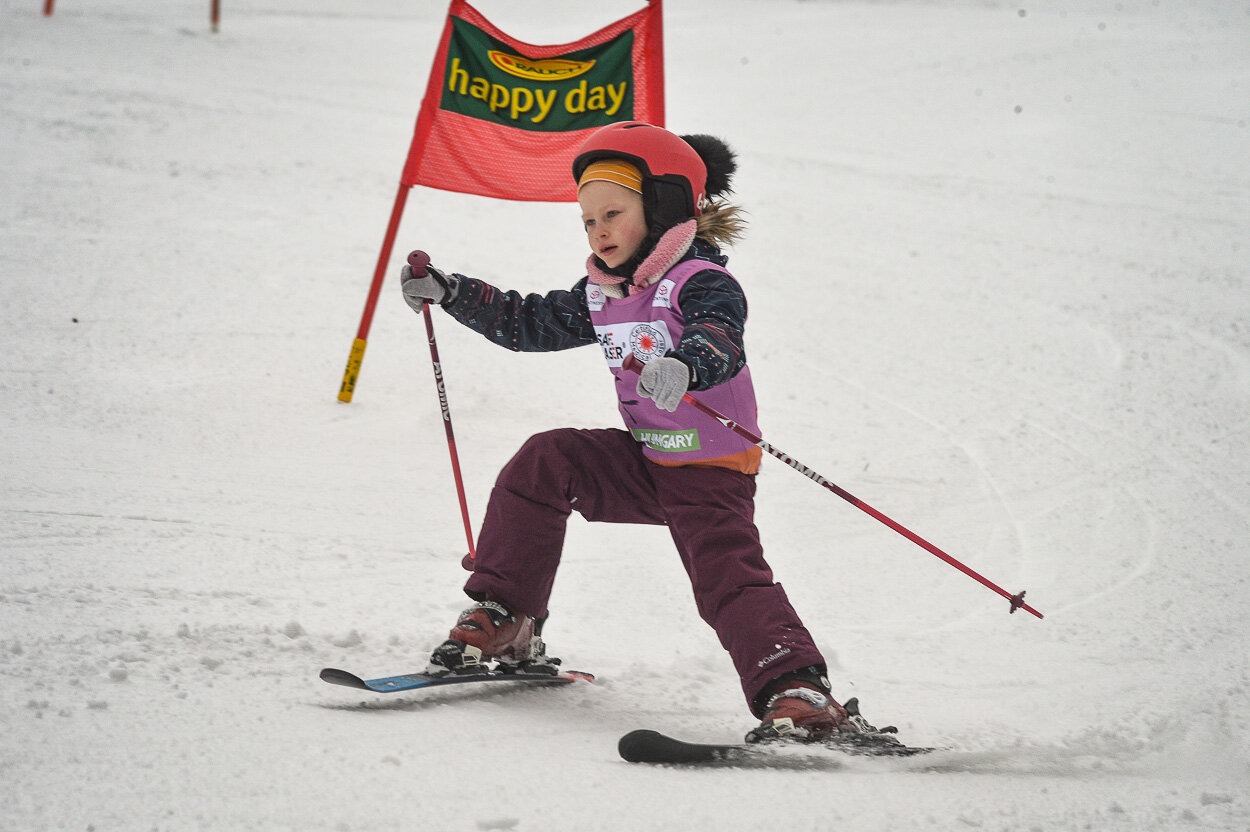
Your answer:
<point x="612" y="351"/>
<point x="594" y="297"/>
<point x="664" y="294"/>
<point x="668" y="441"/>
<point x="647" y="342"/>
<point x="644" y="340"/>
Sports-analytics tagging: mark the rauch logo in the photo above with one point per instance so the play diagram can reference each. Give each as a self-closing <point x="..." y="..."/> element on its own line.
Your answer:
<point x="552" y="69"/>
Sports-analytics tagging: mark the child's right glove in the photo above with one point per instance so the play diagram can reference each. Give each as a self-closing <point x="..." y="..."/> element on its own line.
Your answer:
<point x="432" y="287"/>
<point x="665" y="380"/>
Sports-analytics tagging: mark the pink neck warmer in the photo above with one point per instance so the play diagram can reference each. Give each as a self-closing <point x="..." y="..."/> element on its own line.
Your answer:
<point x="668" y="250"/>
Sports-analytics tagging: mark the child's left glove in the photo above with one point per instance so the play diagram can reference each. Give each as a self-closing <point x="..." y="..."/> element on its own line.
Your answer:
<point x="664" y="380"/>
<point x="432" y="287"/>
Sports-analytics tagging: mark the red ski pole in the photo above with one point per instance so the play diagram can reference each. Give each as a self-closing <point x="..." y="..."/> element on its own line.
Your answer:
<point x="633" y="365"/>
<point x="419" y="260"/>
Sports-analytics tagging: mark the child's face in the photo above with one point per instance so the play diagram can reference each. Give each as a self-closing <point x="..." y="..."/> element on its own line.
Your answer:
<point x="614" y="219"/>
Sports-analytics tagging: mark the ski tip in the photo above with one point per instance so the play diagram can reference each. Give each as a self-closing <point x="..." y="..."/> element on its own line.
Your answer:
<point x="341" y="677"/>
<point x="639" y="746"/>
<point x="643" y="746"/>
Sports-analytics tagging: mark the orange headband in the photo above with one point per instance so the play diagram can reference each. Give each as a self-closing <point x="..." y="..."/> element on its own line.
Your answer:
<point x="617" y="171"/>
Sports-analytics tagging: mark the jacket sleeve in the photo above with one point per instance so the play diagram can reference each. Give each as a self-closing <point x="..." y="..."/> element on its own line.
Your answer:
<point x="715" y="310"/>
<point x="558" y="320"/>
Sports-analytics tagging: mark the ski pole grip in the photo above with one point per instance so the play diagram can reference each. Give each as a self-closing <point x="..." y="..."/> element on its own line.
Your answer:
<point x="419" y="260"/>
<point x="631" y="364"/>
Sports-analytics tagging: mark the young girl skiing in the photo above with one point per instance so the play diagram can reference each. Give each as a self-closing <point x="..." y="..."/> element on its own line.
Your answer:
<point x="657" y="289"/>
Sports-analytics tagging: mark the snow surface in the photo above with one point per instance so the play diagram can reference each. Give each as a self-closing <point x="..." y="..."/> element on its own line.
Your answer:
<point x="998" y="282"/>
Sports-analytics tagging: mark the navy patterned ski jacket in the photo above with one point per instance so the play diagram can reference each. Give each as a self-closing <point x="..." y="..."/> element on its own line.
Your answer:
<point x="712" y="303"/>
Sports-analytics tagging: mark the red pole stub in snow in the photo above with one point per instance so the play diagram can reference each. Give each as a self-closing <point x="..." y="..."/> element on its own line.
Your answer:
<point x="352" y="372"/>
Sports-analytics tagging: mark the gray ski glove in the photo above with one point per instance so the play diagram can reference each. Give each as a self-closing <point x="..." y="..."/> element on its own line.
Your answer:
<point x="665" y="380"/>
<point x="432" y="287"/>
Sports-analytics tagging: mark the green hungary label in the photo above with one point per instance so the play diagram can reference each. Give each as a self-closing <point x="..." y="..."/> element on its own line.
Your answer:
<point x="670" y="441"/>
<point x="485" y="79"/>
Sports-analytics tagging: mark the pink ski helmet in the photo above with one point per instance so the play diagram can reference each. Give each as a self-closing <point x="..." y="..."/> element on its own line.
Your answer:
<point x="674" y="175"/>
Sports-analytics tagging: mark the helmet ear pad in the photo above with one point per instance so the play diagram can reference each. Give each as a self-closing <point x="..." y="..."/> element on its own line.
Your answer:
<point x="667" y="202"/>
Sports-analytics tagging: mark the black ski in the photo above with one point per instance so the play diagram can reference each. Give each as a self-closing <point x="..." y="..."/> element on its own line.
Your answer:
<point x="653" y="747"/>
<point x="413" y="681"/>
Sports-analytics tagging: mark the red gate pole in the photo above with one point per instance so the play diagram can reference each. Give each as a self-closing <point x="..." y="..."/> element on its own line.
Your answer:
<point x="214" y="15"/>
<point x="357" y="354"/>
<point x="47" y="8"/>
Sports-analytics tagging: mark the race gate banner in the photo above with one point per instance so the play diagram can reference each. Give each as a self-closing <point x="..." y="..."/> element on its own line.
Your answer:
<point x="503" y="118"/>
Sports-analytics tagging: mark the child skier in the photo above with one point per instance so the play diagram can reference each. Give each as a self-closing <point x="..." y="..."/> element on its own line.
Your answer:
<point x="657" y="289"/>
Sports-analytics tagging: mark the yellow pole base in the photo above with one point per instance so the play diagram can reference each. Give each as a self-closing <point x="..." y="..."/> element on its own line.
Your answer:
<point x="352" y="371"/>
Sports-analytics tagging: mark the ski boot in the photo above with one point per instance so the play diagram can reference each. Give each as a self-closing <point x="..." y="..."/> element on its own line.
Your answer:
<point x="798" y="707"/>
<point x="489" y="631"/>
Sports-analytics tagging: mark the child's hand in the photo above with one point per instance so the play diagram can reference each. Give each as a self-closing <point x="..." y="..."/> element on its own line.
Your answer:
<point x="432" y="287"/>
<point x="664" y="380"/>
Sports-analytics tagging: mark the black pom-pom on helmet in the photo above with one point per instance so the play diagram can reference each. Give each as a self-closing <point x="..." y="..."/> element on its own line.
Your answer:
<point x="679" y="173"/>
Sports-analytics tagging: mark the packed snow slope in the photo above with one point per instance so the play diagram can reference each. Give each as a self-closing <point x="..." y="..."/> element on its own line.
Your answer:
<point x="997" y="268"/>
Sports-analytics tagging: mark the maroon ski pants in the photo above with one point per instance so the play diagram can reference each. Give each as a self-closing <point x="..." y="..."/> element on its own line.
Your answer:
<point x="603" y="475"/>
